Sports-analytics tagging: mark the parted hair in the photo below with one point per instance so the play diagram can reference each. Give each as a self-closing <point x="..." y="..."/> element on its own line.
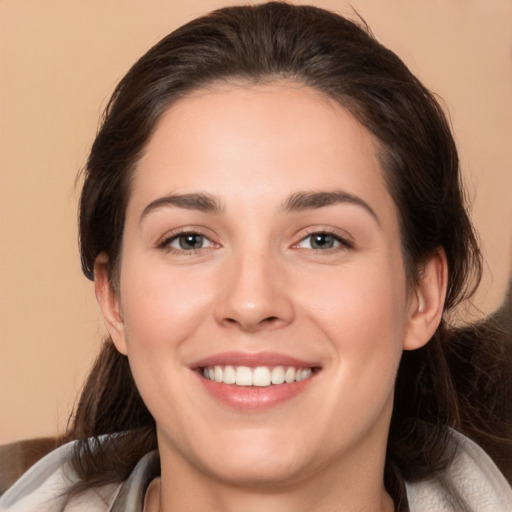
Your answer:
<point x="341" y="59"/>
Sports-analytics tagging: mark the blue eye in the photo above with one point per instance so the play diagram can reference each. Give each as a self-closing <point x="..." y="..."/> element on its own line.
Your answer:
<point x="322" y="241"/>
<point x="188" y="242"/>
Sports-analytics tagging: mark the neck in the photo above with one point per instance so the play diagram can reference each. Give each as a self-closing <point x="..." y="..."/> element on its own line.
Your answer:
<point x="263" y="500"/>
<point x="354" y="485"/>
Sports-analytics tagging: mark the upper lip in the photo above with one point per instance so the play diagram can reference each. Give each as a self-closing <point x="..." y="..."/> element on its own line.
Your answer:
<point x="253" y="359"/>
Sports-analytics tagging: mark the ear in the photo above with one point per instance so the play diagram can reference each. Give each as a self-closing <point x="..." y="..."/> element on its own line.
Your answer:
<point x="427" y="303"/>
<point x="108" y="300"/>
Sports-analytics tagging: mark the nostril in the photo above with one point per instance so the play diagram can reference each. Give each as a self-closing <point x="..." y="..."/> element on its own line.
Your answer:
<point x="255" y="325"/>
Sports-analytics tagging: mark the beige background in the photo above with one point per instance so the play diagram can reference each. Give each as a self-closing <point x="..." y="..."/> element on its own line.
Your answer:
<point x="59" y="62"/>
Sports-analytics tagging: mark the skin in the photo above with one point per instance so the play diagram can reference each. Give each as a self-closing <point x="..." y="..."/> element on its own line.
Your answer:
<point x="257" y="284"/>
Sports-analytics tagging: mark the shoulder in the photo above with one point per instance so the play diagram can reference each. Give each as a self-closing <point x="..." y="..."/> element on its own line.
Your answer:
<point x="44" y="487"/>
<point x="471" y="479"/>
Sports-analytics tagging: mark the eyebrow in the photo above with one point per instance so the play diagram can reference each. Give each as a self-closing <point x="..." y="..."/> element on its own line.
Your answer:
<point x="301" y="201"/>
<point x="193" y="201"/>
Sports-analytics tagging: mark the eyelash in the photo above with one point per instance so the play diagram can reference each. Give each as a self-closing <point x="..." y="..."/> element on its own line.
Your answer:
<point x="166" y="243"/>
<point x="342" y="242"/>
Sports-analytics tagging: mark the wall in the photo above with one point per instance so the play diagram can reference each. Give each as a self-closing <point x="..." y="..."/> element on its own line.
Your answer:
<point x="59" y="61"/>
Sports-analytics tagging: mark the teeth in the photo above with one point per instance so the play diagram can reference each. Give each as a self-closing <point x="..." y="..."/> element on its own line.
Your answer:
<point x="243" y="376"/>
<point x="261" y="376"/>
<point x="217" y="374"/>
<point x="302" y="374"/>
<point x="229" y="376"/>
<point x="277" y="376"/>
<point x="289" y="376"/>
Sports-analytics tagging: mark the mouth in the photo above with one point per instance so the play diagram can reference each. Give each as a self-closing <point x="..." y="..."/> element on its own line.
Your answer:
<point x="252" y="382"/>
<point x="255" y="382"/>
<point x="259" y="376"/>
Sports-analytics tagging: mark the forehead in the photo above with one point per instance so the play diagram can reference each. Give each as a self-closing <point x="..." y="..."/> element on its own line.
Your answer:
<point x="259" y="142"/>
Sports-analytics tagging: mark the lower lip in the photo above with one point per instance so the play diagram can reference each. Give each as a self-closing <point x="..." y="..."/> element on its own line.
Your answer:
<point x="254" y="398"/>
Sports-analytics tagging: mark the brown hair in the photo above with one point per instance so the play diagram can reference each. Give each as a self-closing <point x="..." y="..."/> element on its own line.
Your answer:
<point x="259" y="44"/>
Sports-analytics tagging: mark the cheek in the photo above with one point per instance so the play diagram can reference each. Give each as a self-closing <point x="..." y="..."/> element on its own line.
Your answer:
<point x="162" y="306"/>
<point x="363" y="314"/>
<point x="162" y="310"/>
<point x="358" y="301"/>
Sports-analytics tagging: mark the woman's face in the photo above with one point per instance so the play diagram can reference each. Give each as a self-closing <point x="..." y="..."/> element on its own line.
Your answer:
<point x="261" y="245"/>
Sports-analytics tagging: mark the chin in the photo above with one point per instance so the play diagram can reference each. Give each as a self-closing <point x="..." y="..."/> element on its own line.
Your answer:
<point x="260" y="472"/>
<point x="262" y="460"/>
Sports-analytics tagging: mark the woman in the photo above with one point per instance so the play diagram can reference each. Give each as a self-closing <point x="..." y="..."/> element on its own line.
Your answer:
<point x="274" y="223"/>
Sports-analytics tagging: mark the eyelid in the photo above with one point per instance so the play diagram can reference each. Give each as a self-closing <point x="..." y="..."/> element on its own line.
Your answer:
<point x="345" y="240"/>
<point x="165" y="241"/>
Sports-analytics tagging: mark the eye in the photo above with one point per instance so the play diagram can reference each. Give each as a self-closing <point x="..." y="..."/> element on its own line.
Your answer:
<point x="322" y="241"/>
<point x="187" y="242"/>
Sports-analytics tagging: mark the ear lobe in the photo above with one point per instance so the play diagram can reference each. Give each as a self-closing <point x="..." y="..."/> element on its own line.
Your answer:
<point x="108" y="300"/>
<point x="426" y="309"/>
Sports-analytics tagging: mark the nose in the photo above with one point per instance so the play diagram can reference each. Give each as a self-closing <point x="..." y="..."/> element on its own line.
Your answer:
<point x="254" y="295"/>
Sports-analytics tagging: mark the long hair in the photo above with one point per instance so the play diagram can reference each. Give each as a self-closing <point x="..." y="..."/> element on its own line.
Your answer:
<point x="341" y="59"/>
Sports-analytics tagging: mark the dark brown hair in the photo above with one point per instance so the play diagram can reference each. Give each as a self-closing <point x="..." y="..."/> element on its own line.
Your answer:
<point x="340" y="58"/>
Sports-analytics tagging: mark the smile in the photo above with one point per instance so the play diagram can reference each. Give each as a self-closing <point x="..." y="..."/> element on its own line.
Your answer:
<point x="260" y="376"/>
